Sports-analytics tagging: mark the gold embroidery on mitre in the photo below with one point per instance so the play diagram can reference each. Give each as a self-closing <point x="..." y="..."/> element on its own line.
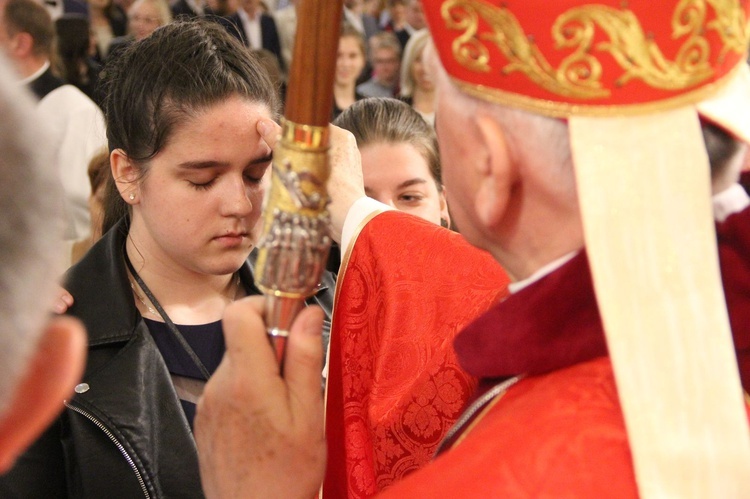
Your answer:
<point x="579" y="74"/>
<point x="730" y="24"/>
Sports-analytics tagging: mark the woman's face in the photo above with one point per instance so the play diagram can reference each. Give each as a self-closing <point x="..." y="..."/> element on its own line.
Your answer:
<point x="202" y="193"/>
<point x="143" y="19"/>
<point x="399" y="176"/>
<point x="350" y="61"/>
<point x="420" y="72"/>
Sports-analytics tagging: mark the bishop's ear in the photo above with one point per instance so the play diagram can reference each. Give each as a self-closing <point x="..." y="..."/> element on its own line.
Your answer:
<point x="51" y="374"/>
<point x="497" y="172"/>
<point x="126" y="174"/>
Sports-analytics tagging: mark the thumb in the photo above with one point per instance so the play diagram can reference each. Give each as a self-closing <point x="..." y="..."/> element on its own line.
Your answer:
<point x="304" y="357"/>
<point x="269" y="131"/>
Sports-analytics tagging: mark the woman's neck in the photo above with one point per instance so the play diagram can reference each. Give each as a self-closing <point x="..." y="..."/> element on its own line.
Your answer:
<point x="424" y="101"/>
<point x="186" y="296"/>
<point x="97" y="16"/>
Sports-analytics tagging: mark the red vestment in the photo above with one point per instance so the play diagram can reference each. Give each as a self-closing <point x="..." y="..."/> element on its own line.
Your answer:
<point x="394" y="384"/>
<point x="559" y="432"/>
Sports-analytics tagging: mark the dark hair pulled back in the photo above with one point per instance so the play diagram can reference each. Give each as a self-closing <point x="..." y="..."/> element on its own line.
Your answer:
<point x="170" y="76"/>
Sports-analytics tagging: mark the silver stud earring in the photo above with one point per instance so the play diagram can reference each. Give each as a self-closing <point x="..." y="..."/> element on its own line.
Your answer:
<point x="132" y="196"/>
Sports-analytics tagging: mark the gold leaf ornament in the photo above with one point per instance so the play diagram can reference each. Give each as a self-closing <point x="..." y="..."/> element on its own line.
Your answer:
<point x="622" y="37"/>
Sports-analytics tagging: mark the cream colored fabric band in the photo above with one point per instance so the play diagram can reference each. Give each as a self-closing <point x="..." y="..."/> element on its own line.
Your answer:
<point x="644" y="190"/>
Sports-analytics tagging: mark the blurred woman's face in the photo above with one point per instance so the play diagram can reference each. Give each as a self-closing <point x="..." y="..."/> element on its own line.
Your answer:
<point x="398" y="14"/>
<point x="420" y="72"/>
<point x="350" y="61"/>
<point x="397" y="174"/>
<point x="143" y="19"/>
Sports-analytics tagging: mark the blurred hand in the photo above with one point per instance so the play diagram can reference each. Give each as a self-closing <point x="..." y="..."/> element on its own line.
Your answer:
<point x="260" y="432"/>
<point x="346" y="184"/>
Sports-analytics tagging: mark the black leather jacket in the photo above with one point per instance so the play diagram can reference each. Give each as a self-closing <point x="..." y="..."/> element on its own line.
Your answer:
<point x="123" y="433"/>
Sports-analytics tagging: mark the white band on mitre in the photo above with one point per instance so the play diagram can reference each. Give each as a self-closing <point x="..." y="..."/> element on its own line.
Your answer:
<point x="644" y="191"/>
<point x="729" y="108"/>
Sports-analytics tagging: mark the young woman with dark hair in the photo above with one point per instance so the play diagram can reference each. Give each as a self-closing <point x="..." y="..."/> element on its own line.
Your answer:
<point x="183" y="111"/>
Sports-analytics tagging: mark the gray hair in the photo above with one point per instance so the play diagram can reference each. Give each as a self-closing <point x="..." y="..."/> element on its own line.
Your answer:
<point x="31" y="230"/>
<point x="540" y="142"/>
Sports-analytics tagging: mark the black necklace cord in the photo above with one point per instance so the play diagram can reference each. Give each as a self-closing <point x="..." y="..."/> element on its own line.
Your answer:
<point x="176" y="332"/>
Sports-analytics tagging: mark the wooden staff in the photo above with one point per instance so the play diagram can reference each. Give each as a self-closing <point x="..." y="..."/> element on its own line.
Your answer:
<point x="295" y="243"/>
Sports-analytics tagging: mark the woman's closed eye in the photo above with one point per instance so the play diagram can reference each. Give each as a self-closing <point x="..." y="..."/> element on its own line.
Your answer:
<point x="411" y="197"/>
<point x="253" y="177"/>
<point x="202" y="185"/>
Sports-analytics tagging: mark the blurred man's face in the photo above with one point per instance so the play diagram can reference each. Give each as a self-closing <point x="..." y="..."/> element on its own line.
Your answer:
<point x="251" y="6"/>
<point x="386" y="66"/>
<point x="415" y="15"/>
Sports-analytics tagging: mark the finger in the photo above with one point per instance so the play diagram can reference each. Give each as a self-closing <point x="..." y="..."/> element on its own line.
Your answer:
<point x="59" y="306"/>
<point x="304" y="357"/>
<point x="63" y="301"/>
<point x="269" y="132"/>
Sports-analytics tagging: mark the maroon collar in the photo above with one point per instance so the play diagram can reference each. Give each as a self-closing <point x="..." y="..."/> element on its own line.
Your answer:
<point x="550" y="324"/>
<point x="734" y="255"/>
<point x="554" y="322"/>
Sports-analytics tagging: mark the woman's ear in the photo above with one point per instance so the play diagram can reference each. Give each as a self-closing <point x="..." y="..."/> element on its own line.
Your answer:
<point x="126" y="175"/>
<point x="497" y="173"/>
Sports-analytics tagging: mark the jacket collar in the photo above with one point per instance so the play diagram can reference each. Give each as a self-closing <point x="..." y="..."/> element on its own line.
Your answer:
<point x="103" y="298"/>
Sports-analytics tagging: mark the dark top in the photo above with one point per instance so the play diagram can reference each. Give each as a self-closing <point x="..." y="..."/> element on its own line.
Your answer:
<point x="182" y="10"/>
<point x="337" y="110"/>
<point x="269" y="35"/>
<point x="206" y="340"/>
<point x="401" y="34"/>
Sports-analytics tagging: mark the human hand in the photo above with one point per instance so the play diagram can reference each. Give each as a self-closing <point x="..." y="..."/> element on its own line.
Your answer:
<point x="346" y="184"/>
<point x="260" y="433"/>
<point x="63" y="301"/>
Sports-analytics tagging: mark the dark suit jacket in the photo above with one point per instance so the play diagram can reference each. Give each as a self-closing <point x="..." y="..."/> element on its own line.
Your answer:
<point x="75" y="7"/>
<point x="182" y="9"/>
<point x="46" y="83"/>
<point x="268" y="33"/>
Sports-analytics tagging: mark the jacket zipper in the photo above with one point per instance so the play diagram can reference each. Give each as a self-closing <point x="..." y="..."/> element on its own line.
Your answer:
<point x="117" y="443"/>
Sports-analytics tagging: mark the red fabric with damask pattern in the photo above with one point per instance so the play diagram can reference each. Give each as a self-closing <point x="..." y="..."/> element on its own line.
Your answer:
<point x="559" y="435"/>
<point x="405" y="291"/>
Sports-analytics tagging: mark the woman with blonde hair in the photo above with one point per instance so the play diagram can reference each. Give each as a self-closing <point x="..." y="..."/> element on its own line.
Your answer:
<point x="417" y="84"/>
<point x="144" y="16"/>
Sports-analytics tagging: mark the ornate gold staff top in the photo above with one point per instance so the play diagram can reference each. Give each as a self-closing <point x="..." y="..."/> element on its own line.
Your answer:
<point x="294" y="246"/>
